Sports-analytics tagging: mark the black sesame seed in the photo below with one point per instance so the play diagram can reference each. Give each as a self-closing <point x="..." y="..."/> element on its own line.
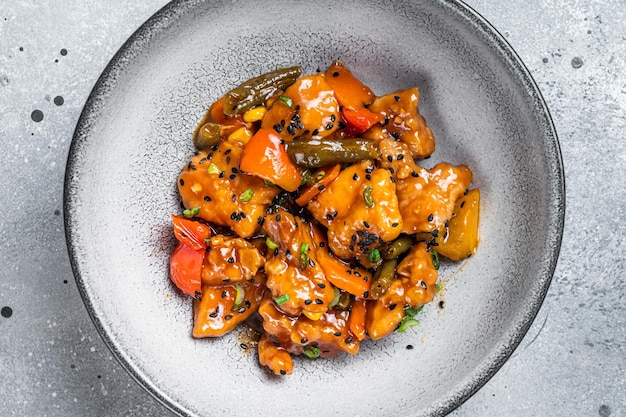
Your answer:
<point x="224" y="294"/>
<point x="228" y="160"/>
<point x="228" y="317"/>
<point x="283" y="372"/>
<point x="278" y="128"/>
<point x="291" y="129"/>
<point x="332" y="117"/>
<point x="414" y="174"/>
<point x="318" y="301"/>
<point x="368" y="177"/>
<point x="315" y="132"/>
<point x="392" y="307"/>
<point x="337" y="334"/>
<point x="366" y="294"/>
<point x="304" y="341"/>
<point x="226" y="280"/>
<point x="243" y="346"/>
<point x="231" y="260"/>
<point x="423" y="284"/>
<point x="329" y="126"/>
<point x="221" y="174"/>
<point x="409" y="347"/>
<point x="275" y="343"/>
<point x="442" y="304"/>
<point x="227" y="151"/>
<point x="278" y="217"/>
<point x="321" y="285"/>
<point x="435" y="233"/>
<point x="396" y="98"/>
<point x="181" y="182"/>
<point x="394" y="224"/>
<point x="355" y="177"/>
<point x="395" y="136"/>
<point x="207" y="198"/>
<point x="462" y="204"/>
<point x="335" y="73"/>
<point x="430" y="217"/>
<point x="232" y="176"/>
<point x="321" y="244"/>
<point x="321" y="188"/>
<point x="400" y="157"/>
<point x="307" y="302"/>
<point x="348" y="340"/>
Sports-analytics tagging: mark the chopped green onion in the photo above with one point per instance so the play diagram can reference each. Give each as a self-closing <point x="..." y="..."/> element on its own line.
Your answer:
<point x="189" y="213"/>
<point x="282" y="299"/>
<point x="411" y="312"/>
<point x="335" y="298"/>
<point x="406" y="323"/>
<point x="438" y="287"/>
<point x="246" y="195"/>
<point x="303" y="261"/>
<point x="367" y="196"/>
<point x="213" y="169"/>
<point x="306" y="175"/>
<point x="304" y="247"/>
<point x="268" y="183"/>
<point x="318" y="177"/>
<point x="286" y="100"/>
<point x="240" y="295"/>
<point x="374" y="256"/>
<point x="435" y="256"/>
<point x="270" y="243"/>
<point x="207" y="240"/>
<point x="311" y="351"/>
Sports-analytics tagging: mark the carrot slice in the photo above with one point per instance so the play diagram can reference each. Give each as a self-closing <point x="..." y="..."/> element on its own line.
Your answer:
<point x="356" y="281"/>
<point x="356" y="320"/>
<point x="319" y="180"/>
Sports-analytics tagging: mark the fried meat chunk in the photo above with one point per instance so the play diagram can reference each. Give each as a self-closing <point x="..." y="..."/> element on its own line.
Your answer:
<point x="225" y="196"/>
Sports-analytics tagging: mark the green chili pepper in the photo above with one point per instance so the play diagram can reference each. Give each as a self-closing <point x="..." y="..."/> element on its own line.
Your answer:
<point x="316" y="153"/>
<point x="256" y="90"/>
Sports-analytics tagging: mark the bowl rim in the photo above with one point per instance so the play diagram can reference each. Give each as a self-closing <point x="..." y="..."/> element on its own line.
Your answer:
<point x="161" y="21"/>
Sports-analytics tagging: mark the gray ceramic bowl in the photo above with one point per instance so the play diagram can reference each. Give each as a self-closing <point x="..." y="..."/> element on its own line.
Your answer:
<point x="134" y="137"/>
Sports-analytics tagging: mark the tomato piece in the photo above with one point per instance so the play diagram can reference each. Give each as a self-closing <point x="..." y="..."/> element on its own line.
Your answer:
<point x="319" y="180"/>
<point x="186" y="269"/>
<point x="265" y="156"/>
<point x="359" y="120"/>
<point x="190" y="232"/>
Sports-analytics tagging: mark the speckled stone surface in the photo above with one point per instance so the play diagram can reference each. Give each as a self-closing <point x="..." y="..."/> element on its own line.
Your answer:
<point x="53" y="362"/>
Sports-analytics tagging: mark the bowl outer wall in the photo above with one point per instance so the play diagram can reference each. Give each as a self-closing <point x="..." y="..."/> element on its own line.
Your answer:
<point x="134" y="136"/>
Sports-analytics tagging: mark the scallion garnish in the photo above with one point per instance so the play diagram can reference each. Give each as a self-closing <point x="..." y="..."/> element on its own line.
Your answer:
<point x="374" y="256"/>
<point x="189" y="213"/>
<point x="270" y="243"/>
<point x="303" y="259"/>
<point x="240" y="295"/>
<point x="286" y="100"/>
<point x="246" y="195"/>
<point x="406" y="323"/>
<point x="213" y="169"/>
<point x="282" y="299"/>
<point x="435" y="257"/>
<point x="367" y="196"/>
<point x="311" y="351"/>
<point x="335" y="298"/>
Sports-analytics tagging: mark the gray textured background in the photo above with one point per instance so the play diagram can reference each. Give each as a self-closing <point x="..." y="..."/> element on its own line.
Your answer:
<point x="53" y="362"/>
